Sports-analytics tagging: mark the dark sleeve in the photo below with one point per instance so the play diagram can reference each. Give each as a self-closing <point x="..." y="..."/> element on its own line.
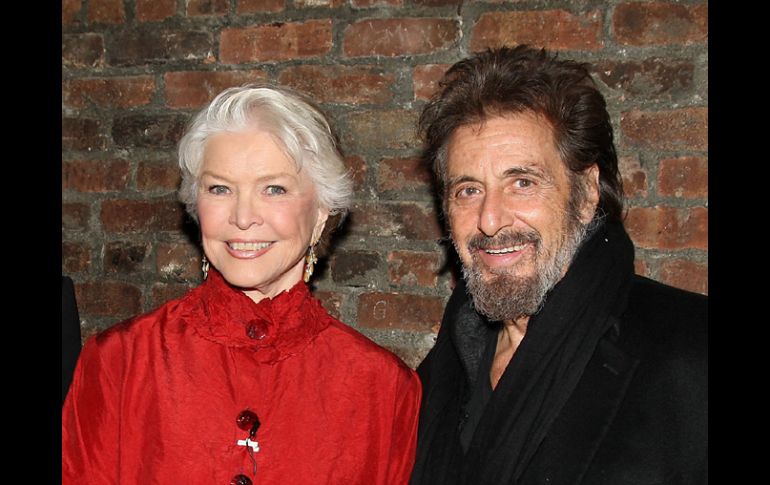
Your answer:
<point x="70" y="334"/>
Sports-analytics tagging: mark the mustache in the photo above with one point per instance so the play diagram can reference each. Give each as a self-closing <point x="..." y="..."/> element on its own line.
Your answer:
<point x="504" y="239"/>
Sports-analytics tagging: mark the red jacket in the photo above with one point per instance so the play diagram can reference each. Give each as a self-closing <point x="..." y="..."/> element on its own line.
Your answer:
<point x="154" y="400"/>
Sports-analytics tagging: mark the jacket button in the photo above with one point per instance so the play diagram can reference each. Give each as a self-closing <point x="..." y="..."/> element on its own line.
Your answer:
<point x="247" y="420"/>
<point x="256" y="330"/>
<point x="240" y="480"/>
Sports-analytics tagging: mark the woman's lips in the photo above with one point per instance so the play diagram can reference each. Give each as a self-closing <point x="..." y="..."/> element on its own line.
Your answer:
<point x="247" y="249"/>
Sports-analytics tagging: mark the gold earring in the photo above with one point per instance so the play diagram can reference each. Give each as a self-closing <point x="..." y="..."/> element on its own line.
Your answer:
<point x="205" y="267"/>
<point x="310" y="261"/>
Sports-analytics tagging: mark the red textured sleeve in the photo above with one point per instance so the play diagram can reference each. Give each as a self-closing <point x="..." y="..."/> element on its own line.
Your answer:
<point x="91" y="417"/>
<point x="404" y="442"/>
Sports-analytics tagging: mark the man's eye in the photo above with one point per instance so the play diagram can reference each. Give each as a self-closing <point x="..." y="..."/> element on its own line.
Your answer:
<point x="467" y="192"/>
<point x="523" y="183"/>
<point x="275" y="190"/>
<point x="218" y="189"/>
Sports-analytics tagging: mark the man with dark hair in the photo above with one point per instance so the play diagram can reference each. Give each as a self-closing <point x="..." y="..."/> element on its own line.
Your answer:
<point x="555" y="364"/>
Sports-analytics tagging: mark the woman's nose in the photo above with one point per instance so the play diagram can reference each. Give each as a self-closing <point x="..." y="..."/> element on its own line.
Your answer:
<point x="246" y="213"/>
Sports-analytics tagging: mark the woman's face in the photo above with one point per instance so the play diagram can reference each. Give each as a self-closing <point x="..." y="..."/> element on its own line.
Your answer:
<point x="257" y="213"/>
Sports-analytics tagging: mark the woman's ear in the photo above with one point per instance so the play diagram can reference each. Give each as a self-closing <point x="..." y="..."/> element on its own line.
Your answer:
<point x="323" y="216"/>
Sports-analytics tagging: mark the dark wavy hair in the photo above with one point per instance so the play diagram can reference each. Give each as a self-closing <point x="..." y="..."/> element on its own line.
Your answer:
<point x="507" y="80"/>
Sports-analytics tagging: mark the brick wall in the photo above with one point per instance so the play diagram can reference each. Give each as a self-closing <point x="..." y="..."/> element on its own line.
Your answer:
<point x="135" y="70"/>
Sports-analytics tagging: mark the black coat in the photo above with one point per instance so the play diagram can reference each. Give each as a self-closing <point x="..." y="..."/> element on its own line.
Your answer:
<point x="70" y="334"/>
<point x="639" y="412"/>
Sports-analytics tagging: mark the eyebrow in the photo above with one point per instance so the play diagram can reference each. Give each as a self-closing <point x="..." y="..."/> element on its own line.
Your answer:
<point x="264" y="178"/>
<point x="511" y="172"/>
<point x="526" y="170"/>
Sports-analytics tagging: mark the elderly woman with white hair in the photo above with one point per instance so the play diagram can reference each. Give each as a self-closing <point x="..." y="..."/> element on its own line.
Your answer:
<point x="246" y="378"/>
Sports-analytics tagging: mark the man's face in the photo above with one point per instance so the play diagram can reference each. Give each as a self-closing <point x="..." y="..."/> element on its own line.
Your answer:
<point x="515" y="219"/>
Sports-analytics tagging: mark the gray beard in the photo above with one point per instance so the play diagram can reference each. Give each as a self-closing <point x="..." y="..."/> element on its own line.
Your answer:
<point x="506" y="296"/>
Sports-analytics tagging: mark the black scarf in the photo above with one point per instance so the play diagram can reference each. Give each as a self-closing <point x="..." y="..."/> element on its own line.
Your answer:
<point x="546" y="368"/>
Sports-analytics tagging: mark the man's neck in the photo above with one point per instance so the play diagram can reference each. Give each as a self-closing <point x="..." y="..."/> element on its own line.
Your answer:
<point x="508" y="340"/>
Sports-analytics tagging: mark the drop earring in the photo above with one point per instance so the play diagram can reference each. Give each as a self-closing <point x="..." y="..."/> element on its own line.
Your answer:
<point x="205" y="267"/>
<point x="310" y="261"/>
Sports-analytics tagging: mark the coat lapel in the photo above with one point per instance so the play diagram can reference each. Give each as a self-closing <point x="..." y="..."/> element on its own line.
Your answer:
<point x="567" y="451"/>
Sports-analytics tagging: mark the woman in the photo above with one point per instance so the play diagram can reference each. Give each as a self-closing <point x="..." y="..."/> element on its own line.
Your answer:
<point x="246" y="379"/>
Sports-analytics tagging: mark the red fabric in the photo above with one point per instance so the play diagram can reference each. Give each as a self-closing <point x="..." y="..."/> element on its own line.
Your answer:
<point x="154" y="400"/>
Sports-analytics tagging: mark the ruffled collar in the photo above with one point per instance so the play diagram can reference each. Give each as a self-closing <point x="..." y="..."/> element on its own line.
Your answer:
<point x="274" y="328"/>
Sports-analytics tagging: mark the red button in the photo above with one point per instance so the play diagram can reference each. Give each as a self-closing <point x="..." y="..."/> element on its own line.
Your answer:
<point x="247" y="419"/>
<point x="240" y="480"/>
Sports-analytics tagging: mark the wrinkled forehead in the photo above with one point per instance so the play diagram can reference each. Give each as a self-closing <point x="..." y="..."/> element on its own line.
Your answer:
<point x="504" y="142"/>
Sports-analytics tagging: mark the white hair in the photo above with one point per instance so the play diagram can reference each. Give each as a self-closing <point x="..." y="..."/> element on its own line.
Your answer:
<point x="292" y="118"/>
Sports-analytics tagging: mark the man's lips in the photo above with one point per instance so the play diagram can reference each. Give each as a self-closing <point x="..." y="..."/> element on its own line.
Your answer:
<point x="505" y="250"/>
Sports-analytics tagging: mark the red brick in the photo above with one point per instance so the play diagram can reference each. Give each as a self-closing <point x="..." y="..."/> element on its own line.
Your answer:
<point x="331" y="301"/>
<point x="683" y="177"/>
<point x="685" y="274"/>
<point x="81" y="134"/>
<point x="400" y="311"/>
<point x="634" y="177"/>
<point x="357" y="168"/>
<point x="82" y="50"/>
<point x="193" y="89"/>
<point x="668" y="227"/>
<point x="317" y="3"/>
<point x="402" y="174"/>
<point x="94" y="176"/>
<point x="401" y="219"/>
<point x="641" y="267"/>
<point x="106" y="11"/>
<point x="132" y="47"/>
<point x="655" y="23"/>
<point x="652" y="77"/>
<point x="125" y="257"/>
<point x="425" y="79"/>
<point x="355" y="268"/>
<point x="70" y="10"/>
<point x="157" y="175"/>
<point x="197" y="8"/>
<point x="413" y="268"/>
<point x="376" y="3"/>
<point x="75" y="215"/>
<point x="149" y="10"/>
<point x="178" y="261"/>
<point x="253" y="6"/>
<point x="553" y="29"/>
<point x="123" y="216"/>
<point x="108" y="298"/>
<point x="165" y="292"/>
<point x="148" y="131"/>
<point x="76" y="257"/>
<point x="276" y="42"/>
<point x="435" y="3"/>
<point x="399" y="37"/>
<point x="123" y="92"/>
<point x="379" y="129"/>
<point x="680" y="129"/>
<point x="341" y="84"/>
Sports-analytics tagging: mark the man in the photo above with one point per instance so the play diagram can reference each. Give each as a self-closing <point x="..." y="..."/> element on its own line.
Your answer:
<point x="555" y="364"/>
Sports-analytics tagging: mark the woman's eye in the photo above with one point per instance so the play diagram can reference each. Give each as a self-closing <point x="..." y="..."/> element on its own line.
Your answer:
<point x="218" y="189"/>
<point x="275" y="190"/>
